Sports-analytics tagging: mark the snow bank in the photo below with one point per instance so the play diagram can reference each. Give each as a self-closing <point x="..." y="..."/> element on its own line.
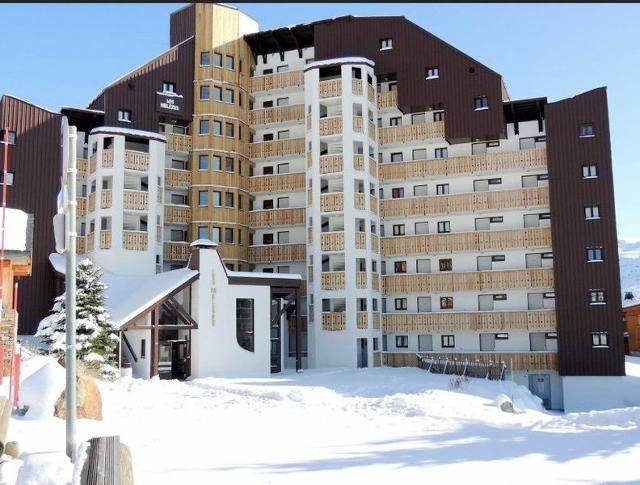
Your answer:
<point x="41" y="390"/>
<point x="45" y="469"/>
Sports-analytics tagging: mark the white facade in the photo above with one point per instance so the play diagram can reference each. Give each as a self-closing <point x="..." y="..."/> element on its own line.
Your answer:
<point x="592" y="393"/>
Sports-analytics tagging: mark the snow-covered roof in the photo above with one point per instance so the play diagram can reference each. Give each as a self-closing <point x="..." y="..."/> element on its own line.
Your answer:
<point x="128" y="296"/>
<point x="631" y="302"/>
<point x="98" y="111"/>
<point x="128" y="131"/>
<point x="257" y="275"/>
<point x="339" y="60"/>
<point x="15" y="238"/>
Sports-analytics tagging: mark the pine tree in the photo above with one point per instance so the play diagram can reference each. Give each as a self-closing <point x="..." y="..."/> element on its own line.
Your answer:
<point x="96" y="335"/>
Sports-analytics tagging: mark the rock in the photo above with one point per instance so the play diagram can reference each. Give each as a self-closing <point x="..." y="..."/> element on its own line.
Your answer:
<point x="12" y="448"/>
<point x="507" y="407"/>
<point x="89" y="402"/>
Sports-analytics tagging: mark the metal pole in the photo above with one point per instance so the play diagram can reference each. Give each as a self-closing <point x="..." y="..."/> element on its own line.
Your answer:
<point x="70" y="281"/>
<point x="5" y="169"/>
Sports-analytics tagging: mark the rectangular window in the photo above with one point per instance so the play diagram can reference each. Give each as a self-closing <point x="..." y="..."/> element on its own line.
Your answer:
<point x="267" y="238"/>
<point x="446" y="302"/>
<point x="217" y="128"/>
<point x="432" y="72"/>
<point x="480" y="102"/>
<point x="229" y="130"/>
<point x="283" y="135"/>
<point x="396" y="121"/>
<point x="143" y="349"/>
<point x="448" y="341"/>
<point x="217" y="162"/>
<point x="283" y="68"/>
<point x="586" y="130"/>
<point x="442" y="189"/>
<point x="419" y="154"/>
<point x="396" y="157"/>
<point x="424" y="304"/>
<point x="228" y="164"/>
<point x="203" y="198"/>
<point x="402" y="341"/>
<point x="590" y="171"/>
<point x="597" y="297"/>
<point x="441" y="153"/>
<point x="283" y="202"/>
<point x="599" y="339"/>
<point x="217" y="59"/>
<point x="282" y="102"/>
<point x="444" y="226"/>
<point x="400" y="303"/>
<point x="398" y="230"/>
<point x="592" y="212"/>
<point x="203" y="162"/>
<point x="168" y="87"/>
<point x="204" y="127"/>
<point x="10" y="137"/>
<point x="216" y="234"/>
<point x="203" y="232"/>
<point x="438" y="116"/>
<point x="397" y="193"/>
<point x="446" y="264"/>
<point x="420" y="190"/>
<point x="205" y="59"/>
<point x="400" y="267"/>
<point x="229" y="96"/>
<point x="386" y="44"/>
<point x="217" y="93"/>
<point x="228" y="199"/>
<point x="283" y="237"/>
<point x="423" y="266"/>
<point x="244" y="323"/>
<point x="204" y="93"/>
<point x="228" y="236"/>
<point x="10" y="176"/>
<point x="594" y="255"/>
<point x="228" y="62"/>
<point x="283" y="168"/>
<point x="421" y="228"/>
<point x="124" y="115"/>
<point x="217" y="198"/>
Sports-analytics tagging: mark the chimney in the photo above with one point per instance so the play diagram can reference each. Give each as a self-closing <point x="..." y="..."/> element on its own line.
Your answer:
<point x="628" y="295"/>
<point x="196" y="246"/>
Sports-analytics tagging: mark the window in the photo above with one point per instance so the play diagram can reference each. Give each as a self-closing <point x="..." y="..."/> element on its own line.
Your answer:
<point x="168" y="87"/>
<point x="396" y="157"/>
<point x="143" y="349"/>
<point x="398" y="229"/>
<point x="283" y="135"/>
<point x="480" y="102"/>
<point x="397" y="193"/>
<point x="396" y="121"/>
<point x="124" y="115"/>
<point x="438" y="116"/>
<point x="589" y="171"/>
<point x="228" y="96"/>
<point x="283" y="237"/>
<point x="446" y="264"/>
<point x="283" y="68"/>
<point x="228" y="62"/>
<point x="592" y="212"/>
<point x="228" y="164"/>
<point x="217" y="162"/>
<point x="441" y="153"/>
<point x="424" y="304"/>
<point x="386" y="43"/>
<point x="203" y="232"/>
<point x="228" y="199"/>
<point x="217" y="59"/>
<point x="420" y="190"/>
<point x="282" y="102"/>
<point x="421" y="227"/>
<point x="244" y="323"/>
<point x="228" y="236"/>
<point x="217" y="198"/>
<point x="204" y="93"/>
<point x="217" y="93"/>
<point x="594" y="255"/>
<point x="204" y="127"/>
<point x="203" y="162"/>
<point x="228" y="130"/>
<point x="419" y="154"/>
<point x="432" y="72"/>
<point x="402" y="341"/>
<point x="267" y="238"/>
<point x="444" y="226"/>
<point x="423" y="266"/>
<point x="400" y="267"/>
<point x="205" y="59"/>
<point x="10" y="176"/>
<point x="376" y="344"/>
<point x="599" y="339"/>
<point x="283" y="168"/>
<point x="203" y="198"/>
<point x="448" y="341"/>
<point x="586" y="130"/>
<point x="400" y="303"/>
<point x="283" y="202"/>
<point x="442" y="189"/>
<point x="446" y="302"/>
<point x="10" y="138"/>
<point x="216" y="234"/>
<point x="597" y="297"/>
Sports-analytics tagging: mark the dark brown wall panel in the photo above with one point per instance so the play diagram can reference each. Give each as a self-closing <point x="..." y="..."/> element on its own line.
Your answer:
<point x="414" y="49"/>
<point x="138" y="91"/>
<point x="35" y="161"/>
<point x="572" y="234"/>
<point x="182" y="24"/>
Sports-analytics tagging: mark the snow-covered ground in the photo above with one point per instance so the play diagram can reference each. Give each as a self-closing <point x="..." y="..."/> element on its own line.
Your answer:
<point x="339" y="426"/>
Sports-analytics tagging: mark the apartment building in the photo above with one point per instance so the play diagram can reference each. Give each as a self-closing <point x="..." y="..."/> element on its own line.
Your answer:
<point x="427" y="212"/>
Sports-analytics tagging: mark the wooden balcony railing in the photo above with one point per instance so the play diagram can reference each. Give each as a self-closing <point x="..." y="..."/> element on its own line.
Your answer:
<point x="135" y="240"/>
<point x="332" y="280"/>
<point x="92" y="201"/>
<point x="333" y="321"/>
<point x="333" y="202"/>
<point x="373" y="168"/>
<point x="371" y="93"/>
<point x="358" y="201"/>
<point x="487" y="162"/>
<point x="514" y="360"/>
<point x="361" y="279"/>
<point x="331" y="125"/>
<point x="376" y="321"/>
<point x="375" y="281"/>
<point x="281" y="80"/>
<point x="375" y="243"/>
<point x="373" y="204"/>
<point x="459" y="321"/>
<point x="330" y="163"/>
<point x="83" y="167"/>
<point x="178" y="143"/>
<point x="535" y="237"/>
<point x="358" y="162"/>
<point x="81" y="244"/>
<point x="361" y="240"/>
<point x="176" y="251"/>
<point x="92" y="163"/>
<point x="105" y="239"/>
<point x="472" y="281"/>
<point x="277" y="217"/>
<point x="91" y="241"/>
<point x="106" y="198"/>
<point x="362" y="320"/>
<point x="107" y="159"/>
<point x="81" y="207"/>
<point x="372" y="131"/>
<point x="387" y="99"/>
<point x="356" y="86"/>
<point x="467" y="202"/>
<point x="279" y="114"/>
<point x="174" y="177"/>
<point x="277" y="183"/>
<point x="277" y="252"/>
<point x="330" y="88"/>
<point x="177" y="214"/>
<point x="416" y="132"/>
<point x="277" y="148"/>
<point x="358" y="124"/>
<point x="134" y="160"/>
<point x="136" y="200"/>
<point x="332" y="241"/>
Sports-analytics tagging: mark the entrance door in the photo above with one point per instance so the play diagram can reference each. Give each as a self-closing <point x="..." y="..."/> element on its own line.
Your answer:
<point x="363" y="355"/>
<point x="180" y="359"/>
<point x="276" y="354"/>
<point x="540" y="385"/>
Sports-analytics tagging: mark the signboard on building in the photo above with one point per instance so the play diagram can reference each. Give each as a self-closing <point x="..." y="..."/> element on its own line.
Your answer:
<point x="171" y="104"/>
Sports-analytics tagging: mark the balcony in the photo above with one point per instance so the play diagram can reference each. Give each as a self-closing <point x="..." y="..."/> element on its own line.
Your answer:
<point x="376" y="321"/>
<point x="92" y="163"/>
<point x="177" y="214"/>
<point x="331" y="125"/>
<point x="333" y="280"/>
<point x="82" y="205"/>
<point x="107" y="159"/>
<point x="467" y="202"/>
<point x="530" y="158"/>
<point x="372" y="131"/>
<point x="281" y="80"/>
<point x="375" y="281"/>
<point x="514" y="361"/>
<point x="330" y="88"/>
<point x="361" y="240"/>
<point x="105" y="239"/>
<point x="362" y="320"/>
<point x="277" y="217"/>
<point x="358" y="201"/>
<point x="277" y="148"/>
<point x="472" y="281"/>
<point x="106" y="198"/>
<point x="90" y="240"/>
<point x="373" y="204"/>
<point x="333" y="321"/>
<point x="356" y="87"/>
<point x="330" y="164"/>
<point x="332" y="241"/>
<point x="371" y="93"/>
<point x="277" y="183"/>
<point x="358" y="124"/>
<point x="81" y="244"/>
<point x="178" y="143"/>
<point x="332" y="202"/>
<point x="177" y="178"/>
<point x="375" y="243"/>
<point x="280" y="114"/>
<point x="270" y="253"/>
<point x="536" y="237"/>
<point x="415" y="132"/>
<point x="388" y="99"/>
<point x="476" y="321"/>
<point x="83" y="167"/>
<point x="136" y="200"/>
<point x="134" y="160"/>
<point x="92" y="201"/>
<point x="373" y="168"/>
<point x="135" y="240"/>
<point x="176" y="251"/>
<point x="361" y="279"/>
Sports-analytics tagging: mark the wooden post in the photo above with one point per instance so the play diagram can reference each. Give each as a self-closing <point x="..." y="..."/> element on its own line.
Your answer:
<point x="298" y="334"/>
<point x="155" y="342"/>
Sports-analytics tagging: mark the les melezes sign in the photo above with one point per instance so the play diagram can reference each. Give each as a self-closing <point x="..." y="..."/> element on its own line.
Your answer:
<point x="171" y="104"/>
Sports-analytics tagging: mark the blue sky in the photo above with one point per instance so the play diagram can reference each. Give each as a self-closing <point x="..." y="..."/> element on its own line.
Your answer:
<point x="69" y="51"/>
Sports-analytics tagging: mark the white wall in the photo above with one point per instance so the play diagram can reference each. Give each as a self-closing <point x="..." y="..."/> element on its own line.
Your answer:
<point x="592" y="393"/>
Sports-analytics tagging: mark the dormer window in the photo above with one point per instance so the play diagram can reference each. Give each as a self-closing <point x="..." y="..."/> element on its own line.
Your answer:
<point x="480" y="102"/>
<point x="124" y="115"/>
<point x="386" y="44"/>
<point x="168" y="87"/>
<point x="432" y="72"/>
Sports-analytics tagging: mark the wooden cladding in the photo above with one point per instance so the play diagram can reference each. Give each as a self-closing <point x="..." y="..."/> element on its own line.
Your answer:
<point x="362" y="320"/>
<point x="177" y="178"/>
<point x="358" y="201"/>
<point x="361" y="240"/>
<point x="468" y="202"/>
<point x="488" y="162"/>
<point x="135" y="240"/>
<point x="81" y="244"/>
<point x="472" y="281"/>
<point x="277" y="183"/>
<point x="107" y="159"/>
<point x="460" y="321"/>
<point x="92" y="201"/>
<point x="514" y="360"/>
<point x="358" y="124"/>
<point x="277" y="252"/>
<point x="356" y="86"/>
<point x="331" y="125"/>
<point x="136" y="200"/>
<point x="333" y="280"/>
<point x="105" y="239"/>
<point x="376" y="321"/>
<point x="375" y="243"/>
<point x="83" y="167"/>
<point x="358" y="162"/>
<point x="176" y="251"/>
<point x="330" y="163"/>
<point x="332" y="241"/>
<point x="534" y="237"/>
<point x="277" y="217"/>
<point x="388" y="99"/>
<point x="330" y="88"/>
<point x="334" y="321"/>
<point x="106" y="198"/>
<point x="279" y="114"/>
<point x="136" y="160"/>
<point x="333" y="202"/>
<point x="375" y="281"/>
<point x="277" y="148"/>
<point x="415" y="132"/>
<point x="81" y="206"/>
<point x="177" y="214"/>
<point x="281" y="80"/>
<point x="373" y="204"/>
<point x="361" y="279"/>
<point x="178" y="143"/>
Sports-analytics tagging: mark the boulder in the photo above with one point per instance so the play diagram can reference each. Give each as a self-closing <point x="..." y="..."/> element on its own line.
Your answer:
<point x="89" y="402"/>
<point x="504" y="403"/>
<point x="12" y="448"/>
